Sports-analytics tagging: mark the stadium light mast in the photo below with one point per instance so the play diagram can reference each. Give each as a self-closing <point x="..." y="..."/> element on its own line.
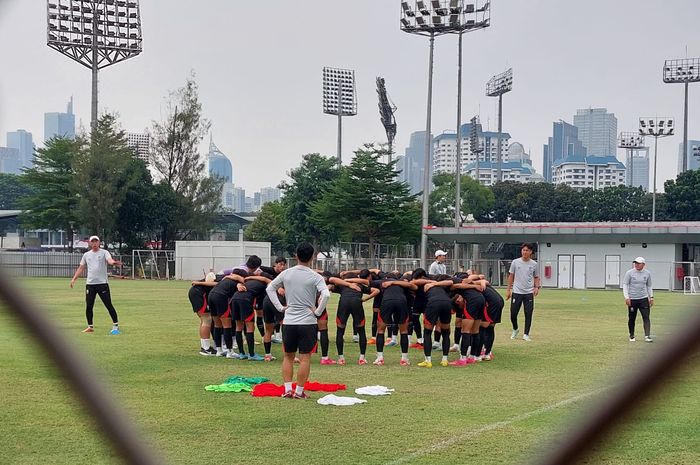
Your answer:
<point x="95" y="33"/>
<point x="339" y="98"/>
<point x="386" y="113"/>
<point x="683" y="71"/>
<point x="655" y="127"/>
<point x="630" y="141"/>
<point x="434" y="18"/>
<point x="496" y="87"/>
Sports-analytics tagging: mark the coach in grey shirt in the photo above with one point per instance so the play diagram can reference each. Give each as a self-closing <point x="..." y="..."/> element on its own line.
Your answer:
<point x="639" y="296"/>
<point x="299" y="327"/>
<point x="438" y="266"/>
<point x="523" y="287"/>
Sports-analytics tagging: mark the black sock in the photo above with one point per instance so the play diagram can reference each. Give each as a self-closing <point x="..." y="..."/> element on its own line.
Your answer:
<point x="404" y="343"/>
<point x="427" y="341"/>
<point x="324" y="343"/>
<point x="446" y="343"/>
<point x="354" y="331"/>
<point x="438" y="334"/>
<point x="458" y="334"/>
<point x="250" y="339"/>
<point x="416" y="325"/>
<point x="389" y="331"/>
<point x="261" y="325"/>
<point x="464" y="344"/>
<point x="339" y="343"/>
<point x="482" y="339"/>
<point x="268" y="347"/>
<point x="475" y="345"/>
<point x="363" y="339"/>
<point x="490" y="337"/>
<point x="380" y="342"/>
<point x="228" y="338"/>
<point x="374" y="324"/>
<point x="239" y="341"/>
<point x="217" y="336"/>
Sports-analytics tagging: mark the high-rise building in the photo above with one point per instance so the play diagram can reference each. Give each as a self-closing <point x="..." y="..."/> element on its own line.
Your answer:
<point x="60" y="124"/>
<point x="10" y="162"/>
<point x="589" y="172"/>
<point x="693" y="161"/>
<point x="239" y="199"/>
<point x="638" y="168"/>
<point x="219" y="165"/>
<point x="269" y="194"/>
<point x="22" y="141"/>
<point x="597" y="131"/>
<point x="563" y="144"/>
<point x="445" y="148"/>
<point x="411" y="171"/>
<point x="140" y="143"/>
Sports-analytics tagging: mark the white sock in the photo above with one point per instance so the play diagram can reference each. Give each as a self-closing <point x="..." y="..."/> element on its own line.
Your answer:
<point x="299" y="390"/>
<point x="462" y="357"/>
<point x="362" y="357"/>
<point x="444" y="358"/>
<point x="288" y="387"/>
<point x="404" y="356"/>
<point x="429" y="359"/>
<point x="380" y="355"/>
<point x="115" y="325"/>
<point x="341" y="357"/>
<point x="205" y="343"/>
<point x="393" y="338"/>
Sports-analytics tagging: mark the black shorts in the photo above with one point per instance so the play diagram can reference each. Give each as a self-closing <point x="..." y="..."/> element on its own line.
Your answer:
<point x="352" y="308"/>
<point x="475" y="304"/>
<point x="300" y="338"/>
<point x="393" y="312"/>
<point x="438" y="311"/>
<point x="198" y="299"/>
<point x="493" y="313"/>
<point x="219" y="305"/>
<point x="270" y="314"/>
<point x="242" y="310"/>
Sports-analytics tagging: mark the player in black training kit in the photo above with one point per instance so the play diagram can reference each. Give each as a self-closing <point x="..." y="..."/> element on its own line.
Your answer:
<point x="219" y="298"/>
<point x="438" y="311"/>
<point x="394" y="308"/>
<point x="350" y="304"/>
<point x="243" y="305"/>
<point x="470" y="301"/>
<point x="197" y="295"/>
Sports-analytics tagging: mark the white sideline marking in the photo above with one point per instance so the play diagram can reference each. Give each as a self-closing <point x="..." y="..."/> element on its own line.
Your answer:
<point x="461" y="437"/>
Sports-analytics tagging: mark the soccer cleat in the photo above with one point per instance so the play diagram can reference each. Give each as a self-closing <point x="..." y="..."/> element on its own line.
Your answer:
<point x="220" y="352"/>
<point x="355" y="338"/>
<point x="232" y="355"/>
<point x="454" y="348"/>
<point x="444" y="363"/>
<point x="240" y="356"/>
<point x="425" y="364"/>
<point x="483" y="352"/>
<point x="287" y="395"/>
<point x="477" y="359"/>
<point x="416" y="345"/>
<point x="212" y="350"/>
<point x="391" y="343"/>
<point x="404" y="362"/>
<point x="256" y="358"/>
<point x="514" y="334"/>
<point x="303" y="395"/>
<point x="632" y="339"/>
<point x="115" y="332"/>
<point x="328" y="361"/>
<point x="379" y="362"/>
<point x="462" y="362"/>
<point x="526" y="337"/>
<point x="205" y="352"/>
<point x="419" y="341"/>
<point x="648" y="339"/>
<point x="486" y="357"/>
<point x="269" y="358"/>
<point x="436" y="345"/>
<point x="276" y="339"/>
<point x="362" y="361"/>
<point x="89" y="329"/>
<point x="341" y="361"/>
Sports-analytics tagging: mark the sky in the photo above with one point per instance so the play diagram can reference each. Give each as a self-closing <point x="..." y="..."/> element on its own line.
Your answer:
<point x="259" y="69"/>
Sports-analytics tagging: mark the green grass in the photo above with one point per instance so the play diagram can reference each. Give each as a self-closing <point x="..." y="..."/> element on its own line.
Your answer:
<point x="153" y="369"/>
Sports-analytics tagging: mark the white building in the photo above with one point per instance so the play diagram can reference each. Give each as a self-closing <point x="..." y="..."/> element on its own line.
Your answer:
<point x="638" y="168"/>
<point x="140" y="143"/>
<point x="589" y="172"/>
<point x="510" y="171"/>
<point x="597" y="131"/>
<point x="269" y="194"/>
<point x="445" y="149"/>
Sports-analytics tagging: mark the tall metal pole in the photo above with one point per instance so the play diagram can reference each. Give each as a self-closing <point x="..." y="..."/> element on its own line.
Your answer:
<point x="340" y="122"/>
<point x="685" y="131"/>
<point x="653" y="197"/>
<point x="500" y="128"/>
<point x="427" y="161"/>
<point x="93" y="112"/>
<point x="458" y="181"/>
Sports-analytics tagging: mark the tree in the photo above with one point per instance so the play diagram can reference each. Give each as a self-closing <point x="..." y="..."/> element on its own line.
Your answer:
<point x="619" y="203"/>
<point x="682" y="198"/>
<point x="54" y="199"/>
<point x="136" y="215"/>
<point x="368" y="204"/>
<point x="309" y="182"/>
<point x="269" y="226"/>
<point x="176" y="159"/>
<point x="476" y="200"/>
<point x="12" y="191"/>
<point x="102" y="177"/>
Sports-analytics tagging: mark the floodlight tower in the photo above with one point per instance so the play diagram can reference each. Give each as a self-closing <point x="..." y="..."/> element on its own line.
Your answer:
<point x="339" y="98"/>
<point x="655" y="127"/>
<point x="386" y="113"/>
<point x="631" y="142"/>
<point x="496" y="87"/>
<point x="434" y="18"/>
<point x="474" y="143"/>
<point x="95" y="33"/>
<point x="683" y="71"/>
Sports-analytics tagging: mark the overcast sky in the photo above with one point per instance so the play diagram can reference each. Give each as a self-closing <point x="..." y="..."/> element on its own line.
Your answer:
<point x="258" y="65"/>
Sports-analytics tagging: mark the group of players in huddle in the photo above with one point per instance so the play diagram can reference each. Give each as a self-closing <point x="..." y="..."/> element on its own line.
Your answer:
<point x="233" y="303"/>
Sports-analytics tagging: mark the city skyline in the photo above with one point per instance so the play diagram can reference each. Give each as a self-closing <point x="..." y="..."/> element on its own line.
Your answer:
<point x="260" y="120"/>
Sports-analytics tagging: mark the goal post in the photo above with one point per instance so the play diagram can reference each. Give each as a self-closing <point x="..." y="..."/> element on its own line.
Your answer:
<point x="691" y="285"/>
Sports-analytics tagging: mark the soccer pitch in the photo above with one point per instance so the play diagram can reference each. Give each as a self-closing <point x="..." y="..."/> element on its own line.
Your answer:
<point x="504" y="411"/>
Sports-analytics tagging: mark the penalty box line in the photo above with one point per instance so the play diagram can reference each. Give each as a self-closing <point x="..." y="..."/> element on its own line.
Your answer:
<point x="486" y="428"/>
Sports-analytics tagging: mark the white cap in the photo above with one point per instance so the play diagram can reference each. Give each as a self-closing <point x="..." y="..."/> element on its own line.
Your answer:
<point x="639" y="260"/>
<point x="440" y="252"/>
<point x="94" y="238"/>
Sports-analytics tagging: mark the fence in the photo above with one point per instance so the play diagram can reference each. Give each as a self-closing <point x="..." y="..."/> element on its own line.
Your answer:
<point x="52" y="264"/>
<point x="153" y="264"/>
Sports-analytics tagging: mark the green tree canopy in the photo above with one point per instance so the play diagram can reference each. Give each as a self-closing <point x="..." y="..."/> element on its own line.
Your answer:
<point x="476" y="199"/>
<point x="269" y="226"/>
<point x="12" y="191"/>
<point x="682" y="198"/>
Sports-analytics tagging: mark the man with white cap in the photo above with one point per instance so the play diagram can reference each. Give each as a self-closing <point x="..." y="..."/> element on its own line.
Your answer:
<point x="96" y="261"/>
<point x="438" y="266"/>
<point x="639" y="296"/>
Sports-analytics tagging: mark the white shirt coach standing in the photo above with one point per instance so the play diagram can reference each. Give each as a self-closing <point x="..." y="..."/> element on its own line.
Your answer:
<point x="438" y="266"/>
<point x="639" y="295"/>
<point x="523" y="287"/>
<point x="96" y="261"/>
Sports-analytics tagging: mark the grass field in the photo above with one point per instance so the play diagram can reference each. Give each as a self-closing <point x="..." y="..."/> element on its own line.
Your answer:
<point x="504" y="411"/>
